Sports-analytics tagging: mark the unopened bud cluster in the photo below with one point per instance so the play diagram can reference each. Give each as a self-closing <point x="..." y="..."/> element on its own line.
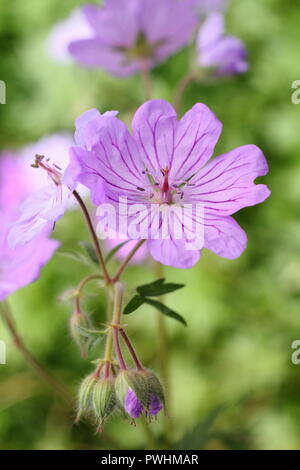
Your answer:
<point x="131" y="392"/>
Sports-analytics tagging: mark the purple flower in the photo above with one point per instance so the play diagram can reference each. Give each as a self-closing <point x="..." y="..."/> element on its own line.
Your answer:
<point x="225" y="54"/>
<point x="48" y="198"/>
<point x="132" y="404"/>
<point x="130" y="36"/>
<point x="21" y="266"/>
<point x="64" y="33"/>
<point x="40" y="208"/>
<point x="155" y="405"/>
<point x="56" y="146"/>
<point x="165" y="165"/>
<point x="13" y="186"/>
<point x="134" y="408"/>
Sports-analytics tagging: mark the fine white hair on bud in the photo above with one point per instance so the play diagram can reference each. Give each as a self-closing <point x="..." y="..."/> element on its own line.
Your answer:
<point x="139" y="391"/>
<point x="85" y="396"/>
<point x="103" y="400"/>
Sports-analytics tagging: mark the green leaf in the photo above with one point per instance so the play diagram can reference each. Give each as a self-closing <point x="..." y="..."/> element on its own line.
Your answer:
<point x="75" y="256"/>
<point x="115" y="250"/>
<point x="90" y="250"/>
<point x="90" y="333"/>
<point x="134" y="304"/>
<point x="94" y="341"/>
<point x="157" y="288"/>
<point x="165" y="310"/>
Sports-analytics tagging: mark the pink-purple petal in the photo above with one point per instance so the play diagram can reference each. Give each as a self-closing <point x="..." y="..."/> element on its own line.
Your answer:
<point x="173" y="253"/>
<point x="226" y="184"/>
<point x="196" y="136"/>
<point x="224" y="236"/>
<point x="155" y="405"/>
<point x="225" y="53"/>
<point x="132" y="404"/>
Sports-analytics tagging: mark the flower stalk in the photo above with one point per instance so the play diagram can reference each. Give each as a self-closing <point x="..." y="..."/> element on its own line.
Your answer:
<point x="127" y="260"/>
<point x="94" y="237"/>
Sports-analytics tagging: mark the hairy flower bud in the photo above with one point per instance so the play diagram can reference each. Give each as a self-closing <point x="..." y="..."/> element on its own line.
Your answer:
<point x="85" y="394"/>
<point x="103" y="400"/>
<point x="139" y="391"/>
<point x="77" y="321"/>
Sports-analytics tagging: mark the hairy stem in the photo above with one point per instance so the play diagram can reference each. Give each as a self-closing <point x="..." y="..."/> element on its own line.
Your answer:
<point x="131" y="349"/>
<point x="94" y="236"/>
<point x="163" y="356"/>
<point x="118" y="298"/>
<point x="127" y="260"/>
<point x="81" y="286"/>
<point x="6" y="315"/>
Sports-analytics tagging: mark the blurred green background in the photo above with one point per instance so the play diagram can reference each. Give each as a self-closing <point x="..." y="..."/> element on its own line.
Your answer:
<point x="242" y="315"/>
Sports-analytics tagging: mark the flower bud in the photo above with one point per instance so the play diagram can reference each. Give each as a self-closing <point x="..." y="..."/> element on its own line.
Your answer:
<point x="138" y="392"/>
<point x="79" y="320"/>
<point x="104" y="400"/>
<point x="85" y="396"/>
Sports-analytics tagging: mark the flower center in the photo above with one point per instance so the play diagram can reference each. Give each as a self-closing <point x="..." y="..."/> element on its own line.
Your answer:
<point x="166" y="194"/>
<point x="141" y="49"/>
<point x="162" y="191"/>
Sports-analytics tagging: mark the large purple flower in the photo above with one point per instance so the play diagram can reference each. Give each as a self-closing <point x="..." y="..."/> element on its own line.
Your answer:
<point x="20" y="266"/>
<point x="130" y="36"/>
<point x="164" y="165"/>
<point x="225" y="54"/>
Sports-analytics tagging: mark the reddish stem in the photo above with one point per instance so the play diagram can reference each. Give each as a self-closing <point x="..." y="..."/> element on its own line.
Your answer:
<point x="107" y="369"/>
<point x="118" y="349"/>
<point x="131" y="350"/>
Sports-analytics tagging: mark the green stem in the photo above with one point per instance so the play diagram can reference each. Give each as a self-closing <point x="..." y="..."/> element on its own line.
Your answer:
<point x="148" y="87"/>
<point x="81" y="286"/>
<point x="118" y="289"/>
<point x="94" y="237"/>
<point x="163" y="355"/>
<point x="182" y="85"/>
<point x="31" y="360"/>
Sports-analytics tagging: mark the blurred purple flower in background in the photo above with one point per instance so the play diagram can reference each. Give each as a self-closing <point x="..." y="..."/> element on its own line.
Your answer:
<point x="166" y="163"/>
<point x="64" y="33"/>
<point x="20" y="266"/>
<point x="225" y="54"/>
<point x="128" y="36"/>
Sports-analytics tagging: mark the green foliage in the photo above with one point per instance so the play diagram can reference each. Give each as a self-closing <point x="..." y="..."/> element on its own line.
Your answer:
<point x="155" y="289"/>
